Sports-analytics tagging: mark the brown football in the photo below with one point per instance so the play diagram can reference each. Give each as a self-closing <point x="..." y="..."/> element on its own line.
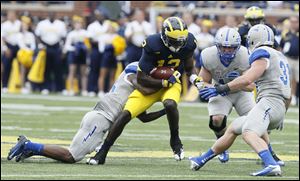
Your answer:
<point x="162" y="72"/>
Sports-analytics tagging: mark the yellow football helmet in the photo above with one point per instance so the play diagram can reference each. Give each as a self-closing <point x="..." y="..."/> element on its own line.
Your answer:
<point x="254" y="15"/>
<point x="174" y="33"/>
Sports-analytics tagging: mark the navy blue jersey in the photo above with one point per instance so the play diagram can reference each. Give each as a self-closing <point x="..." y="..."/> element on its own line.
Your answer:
<point x="290" y="45"/>
<point x="156" y="54"/>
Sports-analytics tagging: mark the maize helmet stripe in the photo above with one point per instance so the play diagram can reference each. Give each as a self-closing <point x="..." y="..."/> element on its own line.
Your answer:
<point x="168" y="22"/>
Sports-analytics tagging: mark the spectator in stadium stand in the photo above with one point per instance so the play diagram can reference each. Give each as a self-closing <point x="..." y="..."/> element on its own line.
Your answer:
<point x="96" y="31"/>
<point x="189" y="20"/>
<point x="253" y="16"/>
<point x="122" y="21"/>
<point x="50" y="32"/>
<point x="109" y="59"/>
<point x="9" y="39"/>
<point x="159" y="23"/>
<point x="27" y="44"/>
<point x="204" y="40"/>
<point x="136" y="32"/>
<point x="290" y="47"/>
<point x="77" y="48"/>
<point x="230" y="22"/>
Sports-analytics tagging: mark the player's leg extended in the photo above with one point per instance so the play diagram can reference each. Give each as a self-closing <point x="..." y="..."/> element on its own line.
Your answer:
<point x="267" y="114"/>
<point x="266" y="137"/>
<point x="219" y="107"/>
<point x="222" y="144"/>
<point x="136" y="104"/>
<point x="89" y="136"/>
<point x="25" y="149"/>
<point x="170" y="99"/>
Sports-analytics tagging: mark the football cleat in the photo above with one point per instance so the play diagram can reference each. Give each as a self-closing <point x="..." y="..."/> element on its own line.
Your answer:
<point x="24" y="155"/>
<point x="179" y="155"/>
<point x="177" y="148"/>
<point x="18" y="148"/>
<point x="224" y="157"/>
<point x="270" y="170"/>
<point x="98" y="159"/>
<point x="196" y="163"/>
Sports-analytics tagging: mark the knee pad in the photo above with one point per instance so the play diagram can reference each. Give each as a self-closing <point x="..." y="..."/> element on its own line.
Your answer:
<point x="215" y="128"/>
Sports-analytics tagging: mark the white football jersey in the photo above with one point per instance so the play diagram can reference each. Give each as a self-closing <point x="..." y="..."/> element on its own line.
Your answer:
<point x="111" y="105"/>
<point x="275" y="82"/>
<point x="210" y="60"/>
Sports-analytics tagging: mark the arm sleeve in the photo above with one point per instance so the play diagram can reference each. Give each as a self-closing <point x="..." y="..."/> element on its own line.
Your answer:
<point x="258" y="54"/>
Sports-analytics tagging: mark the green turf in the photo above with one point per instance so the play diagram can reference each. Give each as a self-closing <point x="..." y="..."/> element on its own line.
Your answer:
<point x="137" y="136"/>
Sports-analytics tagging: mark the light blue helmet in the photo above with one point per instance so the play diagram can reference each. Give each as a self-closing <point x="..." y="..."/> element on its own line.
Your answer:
<point x="259" y="35"/>
<point x="230" y="38"/>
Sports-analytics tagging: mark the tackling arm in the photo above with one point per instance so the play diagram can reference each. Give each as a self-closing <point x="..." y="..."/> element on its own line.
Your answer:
<point x="144" y="90"/>
<point x="250" y="87"/>
<point x="144" y="80"/>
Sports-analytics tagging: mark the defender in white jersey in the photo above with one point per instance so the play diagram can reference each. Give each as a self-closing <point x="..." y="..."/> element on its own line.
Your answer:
<point x="93" y="126"/>
<point x="270" y="71"/>
<point x="221" y="64"/>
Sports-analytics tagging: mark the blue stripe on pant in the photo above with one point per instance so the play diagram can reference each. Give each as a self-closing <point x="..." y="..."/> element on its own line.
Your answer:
<point x="95" y="63"/>
<point x="54" y="67"/>
<point x="7" y="63"/>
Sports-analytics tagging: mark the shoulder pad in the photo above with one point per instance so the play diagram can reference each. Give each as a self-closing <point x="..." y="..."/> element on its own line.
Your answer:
<point x="191" y="42"/>
<point x="152" y="43"/>
<point x="258" y="53"/>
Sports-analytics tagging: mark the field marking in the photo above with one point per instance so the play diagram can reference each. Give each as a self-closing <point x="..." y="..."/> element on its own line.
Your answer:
<point x="8" y="141"/>
<point x="149" y="176"/>
<point x="5" y="107"/>
<point x="95" y="99"/>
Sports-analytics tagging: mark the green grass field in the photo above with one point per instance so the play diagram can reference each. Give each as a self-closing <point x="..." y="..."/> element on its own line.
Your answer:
<point x="141" y="152"/>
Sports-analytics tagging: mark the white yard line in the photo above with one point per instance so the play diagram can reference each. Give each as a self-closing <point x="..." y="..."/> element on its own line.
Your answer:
<point x="95" y="99"/>
<point x="10" y="107"/>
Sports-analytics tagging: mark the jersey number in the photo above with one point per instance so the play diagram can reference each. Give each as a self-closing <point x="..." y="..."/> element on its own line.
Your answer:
<point x="285" y="77"/>
<point x="172" y="62"/>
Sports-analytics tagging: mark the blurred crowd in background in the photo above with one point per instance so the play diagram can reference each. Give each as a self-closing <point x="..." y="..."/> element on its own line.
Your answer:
<point x="83" y="55"/>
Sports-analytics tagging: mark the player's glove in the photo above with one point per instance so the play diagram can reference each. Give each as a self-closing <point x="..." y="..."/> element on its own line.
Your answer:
<point x="172" y="80"/>
<point x="209" y="92"/>
<point x="197" y="81"/>
<point x="232" y="75"/>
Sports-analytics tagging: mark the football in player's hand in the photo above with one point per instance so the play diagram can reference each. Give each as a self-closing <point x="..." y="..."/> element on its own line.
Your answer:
<point x="162" y="72"/>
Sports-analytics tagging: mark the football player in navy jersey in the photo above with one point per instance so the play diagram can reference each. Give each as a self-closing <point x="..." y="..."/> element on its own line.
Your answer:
<point x="174" y="47"/>
<point x="253" y="16"/>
